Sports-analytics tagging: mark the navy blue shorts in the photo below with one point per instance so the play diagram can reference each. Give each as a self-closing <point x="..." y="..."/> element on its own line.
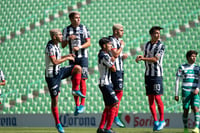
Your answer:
<point x="83" y="62"/>
<point x="54" y="83"/>
<point x="109" y="95"/>
<point x="117" y="80"/>
<point x="154" y="85"/>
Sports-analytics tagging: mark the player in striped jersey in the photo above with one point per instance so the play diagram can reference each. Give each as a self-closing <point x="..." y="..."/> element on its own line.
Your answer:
<point x="106" y="65"/>
<point x="118" y="76"/>
<point x="54" y="73"/>
<point x="190" y="75"/>
<point x="153" y="56"/>
<point x="3" y="82"/>
<point x="78" y="37"/>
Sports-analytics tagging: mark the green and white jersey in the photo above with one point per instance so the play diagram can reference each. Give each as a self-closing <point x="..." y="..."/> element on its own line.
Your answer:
<point x="190" y="75"/>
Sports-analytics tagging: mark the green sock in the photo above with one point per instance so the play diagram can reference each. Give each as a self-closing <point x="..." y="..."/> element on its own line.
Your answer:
<point x="196" y="118"/>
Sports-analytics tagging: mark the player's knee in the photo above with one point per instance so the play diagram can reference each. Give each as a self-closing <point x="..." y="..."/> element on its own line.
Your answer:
<point x="116" y="105"/>
<point x="77" y="69"/>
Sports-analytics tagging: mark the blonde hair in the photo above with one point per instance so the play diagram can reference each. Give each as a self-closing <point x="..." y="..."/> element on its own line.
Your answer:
<point x="54" y="32"/>
<point x="117" y="27"/>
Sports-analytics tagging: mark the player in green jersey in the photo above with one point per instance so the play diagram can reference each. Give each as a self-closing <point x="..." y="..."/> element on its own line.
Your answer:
<point x="190" y="75"/>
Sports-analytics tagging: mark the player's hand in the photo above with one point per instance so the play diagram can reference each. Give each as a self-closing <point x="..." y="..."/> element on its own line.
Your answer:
<point x="70" y="55"/>
<point x="176" y="98"/>
<point x="113" y="59"/>
<point x="138" y="58"/>
<point x="71" y="58"/>
<point x="196" y="91"/>
<point x="75" y="49"/>
<point x="72" y="37"/>
<point x="122" y="43"/>
<point x="125" y="56"/>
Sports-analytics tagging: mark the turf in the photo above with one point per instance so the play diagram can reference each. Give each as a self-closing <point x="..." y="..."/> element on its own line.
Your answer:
<point x="85" y="130"/>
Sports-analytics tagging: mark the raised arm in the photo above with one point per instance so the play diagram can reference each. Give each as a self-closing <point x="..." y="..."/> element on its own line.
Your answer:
<point x="63" y="59"/>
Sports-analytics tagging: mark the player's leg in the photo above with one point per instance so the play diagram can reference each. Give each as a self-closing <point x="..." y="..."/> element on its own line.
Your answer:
<point x="111" y="103"/>
<point x="53" y="85"/>
<point x="185" y="117"/>
<point x="103" y="118"/>
<point x="83" y="87"/>
<point x="160" y="106"/>
<point x="55" y="112"/>
<point x="117" y="80"/>
<point x="196" y="118"/>
<point x="195" y="108"/>
<point x="54" y="109"/>
<point x="76" y="79"/>
<point x="186" y="99"/>
<point x="161" y="112"/>
<point x="152" y="106"/>
<point x="117" y="120"/>
<point x="111" y="115"/>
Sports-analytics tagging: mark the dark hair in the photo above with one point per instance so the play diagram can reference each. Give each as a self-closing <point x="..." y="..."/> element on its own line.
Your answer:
<point x="151" y="31"/>
<point x="103" y="40"/>
<point x="190" y="52"/>
<point x="72" y="14"/>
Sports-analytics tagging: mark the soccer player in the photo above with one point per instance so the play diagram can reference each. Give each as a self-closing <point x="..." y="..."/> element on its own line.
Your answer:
<point x="190" y="75"/>
<point x="105" y="66"/>
<point x="78" y="37"/>
<point x="54" y="73"/>
<point x="118" y="76"/>
<point x="153" y="57"/>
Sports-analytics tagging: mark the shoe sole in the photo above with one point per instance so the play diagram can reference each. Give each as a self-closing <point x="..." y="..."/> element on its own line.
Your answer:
<point x="74" y="94"/>
<point x="161" y="128"/>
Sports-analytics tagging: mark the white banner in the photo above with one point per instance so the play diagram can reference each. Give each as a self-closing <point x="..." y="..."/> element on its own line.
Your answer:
<point x="173" y="120"/>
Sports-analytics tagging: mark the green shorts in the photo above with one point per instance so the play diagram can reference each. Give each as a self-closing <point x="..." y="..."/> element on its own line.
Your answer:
<point x="188" y="98"/>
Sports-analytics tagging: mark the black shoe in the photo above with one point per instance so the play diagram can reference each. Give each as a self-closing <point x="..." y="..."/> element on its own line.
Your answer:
<point x="99" y="130"/>
<point x="109" y="131"/>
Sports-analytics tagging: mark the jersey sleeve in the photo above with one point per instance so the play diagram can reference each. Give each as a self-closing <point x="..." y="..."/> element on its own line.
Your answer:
<point x="2" y="76"/>
<point x="86" y="32"/>
<point x="50" y="51"/>
<point x="179" y="71"/>
<point x="107" y="61"/>
<point x="160" y="51"/>
<point x="65" y="35"/>
<point x="114" y="44"/>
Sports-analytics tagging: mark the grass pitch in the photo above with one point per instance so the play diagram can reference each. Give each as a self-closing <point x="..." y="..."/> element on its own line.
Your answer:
<point x="85" y="130"/>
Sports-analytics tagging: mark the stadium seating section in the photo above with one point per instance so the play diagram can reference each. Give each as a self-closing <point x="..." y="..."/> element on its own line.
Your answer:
<point x="22" y="58"/>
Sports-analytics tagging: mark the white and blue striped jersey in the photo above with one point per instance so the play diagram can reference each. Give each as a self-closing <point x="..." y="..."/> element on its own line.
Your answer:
<point x="154" y="50"/>
<point x="50" y="51"/>
<point x="2" y="77"/>
<point x="116" y="45"/>
<point x="104" y="65"/>
<point x="82" y="33"/>
<point x="190" y="74"/>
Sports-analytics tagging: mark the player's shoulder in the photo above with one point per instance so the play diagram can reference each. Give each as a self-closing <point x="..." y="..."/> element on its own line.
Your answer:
<point x="197" y="67"/>
<point x="184" y="66"/>
<point x="49" y="44"/>
<point x="147" y="43"/>
<point x="67" y="27"/>
<point x="103" y="54"/>
<point x="161" y="44"/>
